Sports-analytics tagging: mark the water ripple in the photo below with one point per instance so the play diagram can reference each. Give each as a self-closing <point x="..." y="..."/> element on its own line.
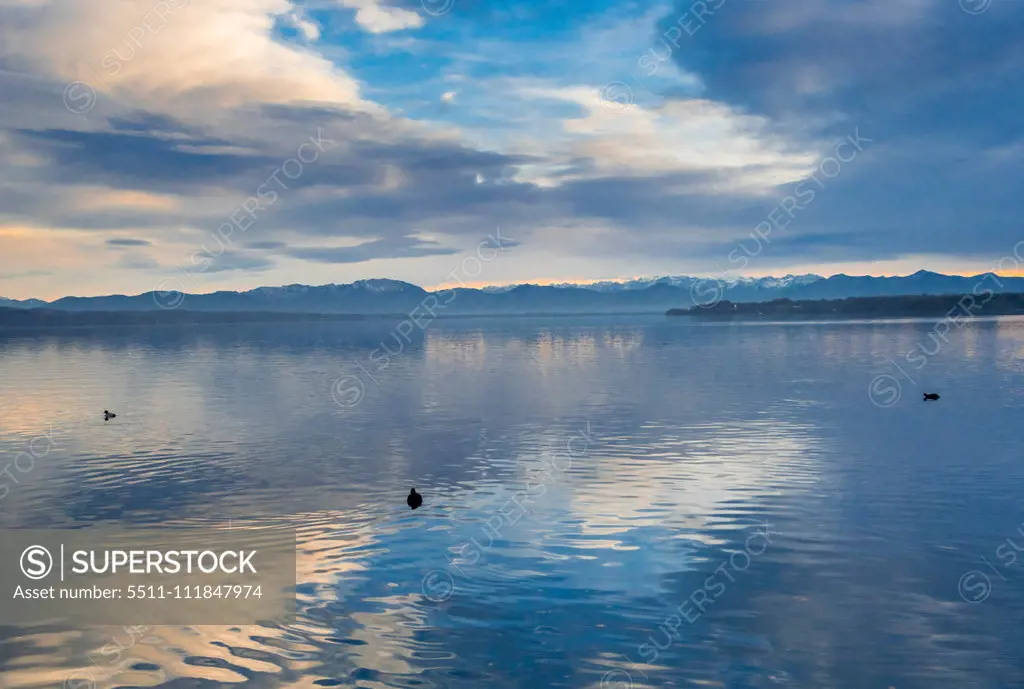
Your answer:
<point x="595" y="490"/>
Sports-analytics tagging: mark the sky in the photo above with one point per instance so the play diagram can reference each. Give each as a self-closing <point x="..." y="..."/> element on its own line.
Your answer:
<point x="201" y="145"/>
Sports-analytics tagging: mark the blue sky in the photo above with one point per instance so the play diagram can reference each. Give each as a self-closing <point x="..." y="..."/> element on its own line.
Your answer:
<point x="141" y="140"/>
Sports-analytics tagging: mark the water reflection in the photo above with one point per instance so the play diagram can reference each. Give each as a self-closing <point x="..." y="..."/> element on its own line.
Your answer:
<point x="699" y="433"/>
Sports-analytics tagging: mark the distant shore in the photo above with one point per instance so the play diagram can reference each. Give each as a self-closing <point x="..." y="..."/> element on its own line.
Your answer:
<point x="19" y="320"/>
<point x="55" y="318"/>
<point x="986" y="303"/>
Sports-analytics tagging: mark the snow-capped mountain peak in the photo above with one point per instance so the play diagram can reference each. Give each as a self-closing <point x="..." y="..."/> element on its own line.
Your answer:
<point x="679" y="281"/>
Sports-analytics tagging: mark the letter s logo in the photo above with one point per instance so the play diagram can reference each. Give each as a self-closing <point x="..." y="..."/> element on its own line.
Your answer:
<point x="36" y="562"/>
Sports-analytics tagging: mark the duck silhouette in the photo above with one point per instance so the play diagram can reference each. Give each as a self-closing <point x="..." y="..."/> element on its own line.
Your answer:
<point x="930" y="396"/>
<point x="108" y="415"/>
<point x="414" y="500"/>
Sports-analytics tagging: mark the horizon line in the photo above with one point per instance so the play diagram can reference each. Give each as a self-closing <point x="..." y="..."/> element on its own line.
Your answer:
<point x="542" y="282"/>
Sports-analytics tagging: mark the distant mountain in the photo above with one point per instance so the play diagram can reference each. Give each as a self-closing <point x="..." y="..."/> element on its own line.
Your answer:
<point x="650" y="295"/>
<point x="361" y="297"/>
<point x="22" y="304"/>
<point x="922" y="282"/>
<point x="687" y="281"/>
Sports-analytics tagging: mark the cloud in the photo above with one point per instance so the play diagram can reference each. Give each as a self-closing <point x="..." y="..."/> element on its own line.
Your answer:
<point x="199" y="107"/>
<point x="174" y="56"/>
<point x="265" y="246"/>
<point x="829" y="62"/>
<point x="90" y="198"/>
<point x="395" y="247"/>
<point x="302" y="24"/>
<point x="128" y="242"/>
<point x="682" y="135"/>
<point x="376" y="18"/>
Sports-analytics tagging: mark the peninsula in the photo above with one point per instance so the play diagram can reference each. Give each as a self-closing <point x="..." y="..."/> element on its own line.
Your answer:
<point x="985" y="303"/>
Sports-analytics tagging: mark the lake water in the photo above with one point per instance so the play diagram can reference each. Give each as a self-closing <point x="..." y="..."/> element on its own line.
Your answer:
<point x="716" y="505"/>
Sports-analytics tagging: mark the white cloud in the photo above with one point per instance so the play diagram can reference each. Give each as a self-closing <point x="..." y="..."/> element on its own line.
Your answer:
<point x="687" y="135"/>
<point x="173" y="55"/>
<point x="375" y="18"/>
<point x="309" y="29"/>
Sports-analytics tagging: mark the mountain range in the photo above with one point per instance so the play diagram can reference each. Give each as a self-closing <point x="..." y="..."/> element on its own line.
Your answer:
<point x="655" y="295"/>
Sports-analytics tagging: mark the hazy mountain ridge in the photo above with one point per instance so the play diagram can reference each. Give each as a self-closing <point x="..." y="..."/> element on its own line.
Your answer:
<point x="24" y="303"/>
<point x="385" y="296"/>
<point x="678" y="281"/>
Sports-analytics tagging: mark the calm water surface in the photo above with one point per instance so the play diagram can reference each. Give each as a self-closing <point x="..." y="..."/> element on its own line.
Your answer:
<point x="647" y="454"/>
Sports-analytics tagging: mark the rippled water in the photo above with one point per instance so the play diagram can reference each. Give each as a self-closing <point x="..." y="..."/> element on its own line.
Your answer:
<point x="597" y="498"/>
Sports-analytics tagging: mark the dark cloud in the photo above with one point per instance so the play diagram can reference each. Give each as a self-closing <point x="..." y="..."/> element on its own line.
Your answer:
<point x="311" y="116"/>
<point x="128" y="242"/>
<point x="885" y="63"/>
<point x="138" y="160"/>
<point x="402" y="247"/>
<point x="153" y="124"/>
<point x="937" y="90"/>
<point x="498" y="241"/>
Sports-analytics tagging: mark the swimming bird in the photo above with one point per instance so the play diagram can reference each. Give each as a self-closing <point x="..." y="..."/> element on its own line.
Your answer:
<point x="107" y="415"/>
<point x="414" y="500"/>
<point x="930" y="396"/>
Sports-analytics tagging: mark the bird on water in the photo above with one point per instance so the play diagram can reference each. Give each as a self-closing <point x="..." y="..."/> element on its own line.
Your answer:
<point x="414" y="500"/>
<point x="107" y="415"/>
<point x="930" y="396"/>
